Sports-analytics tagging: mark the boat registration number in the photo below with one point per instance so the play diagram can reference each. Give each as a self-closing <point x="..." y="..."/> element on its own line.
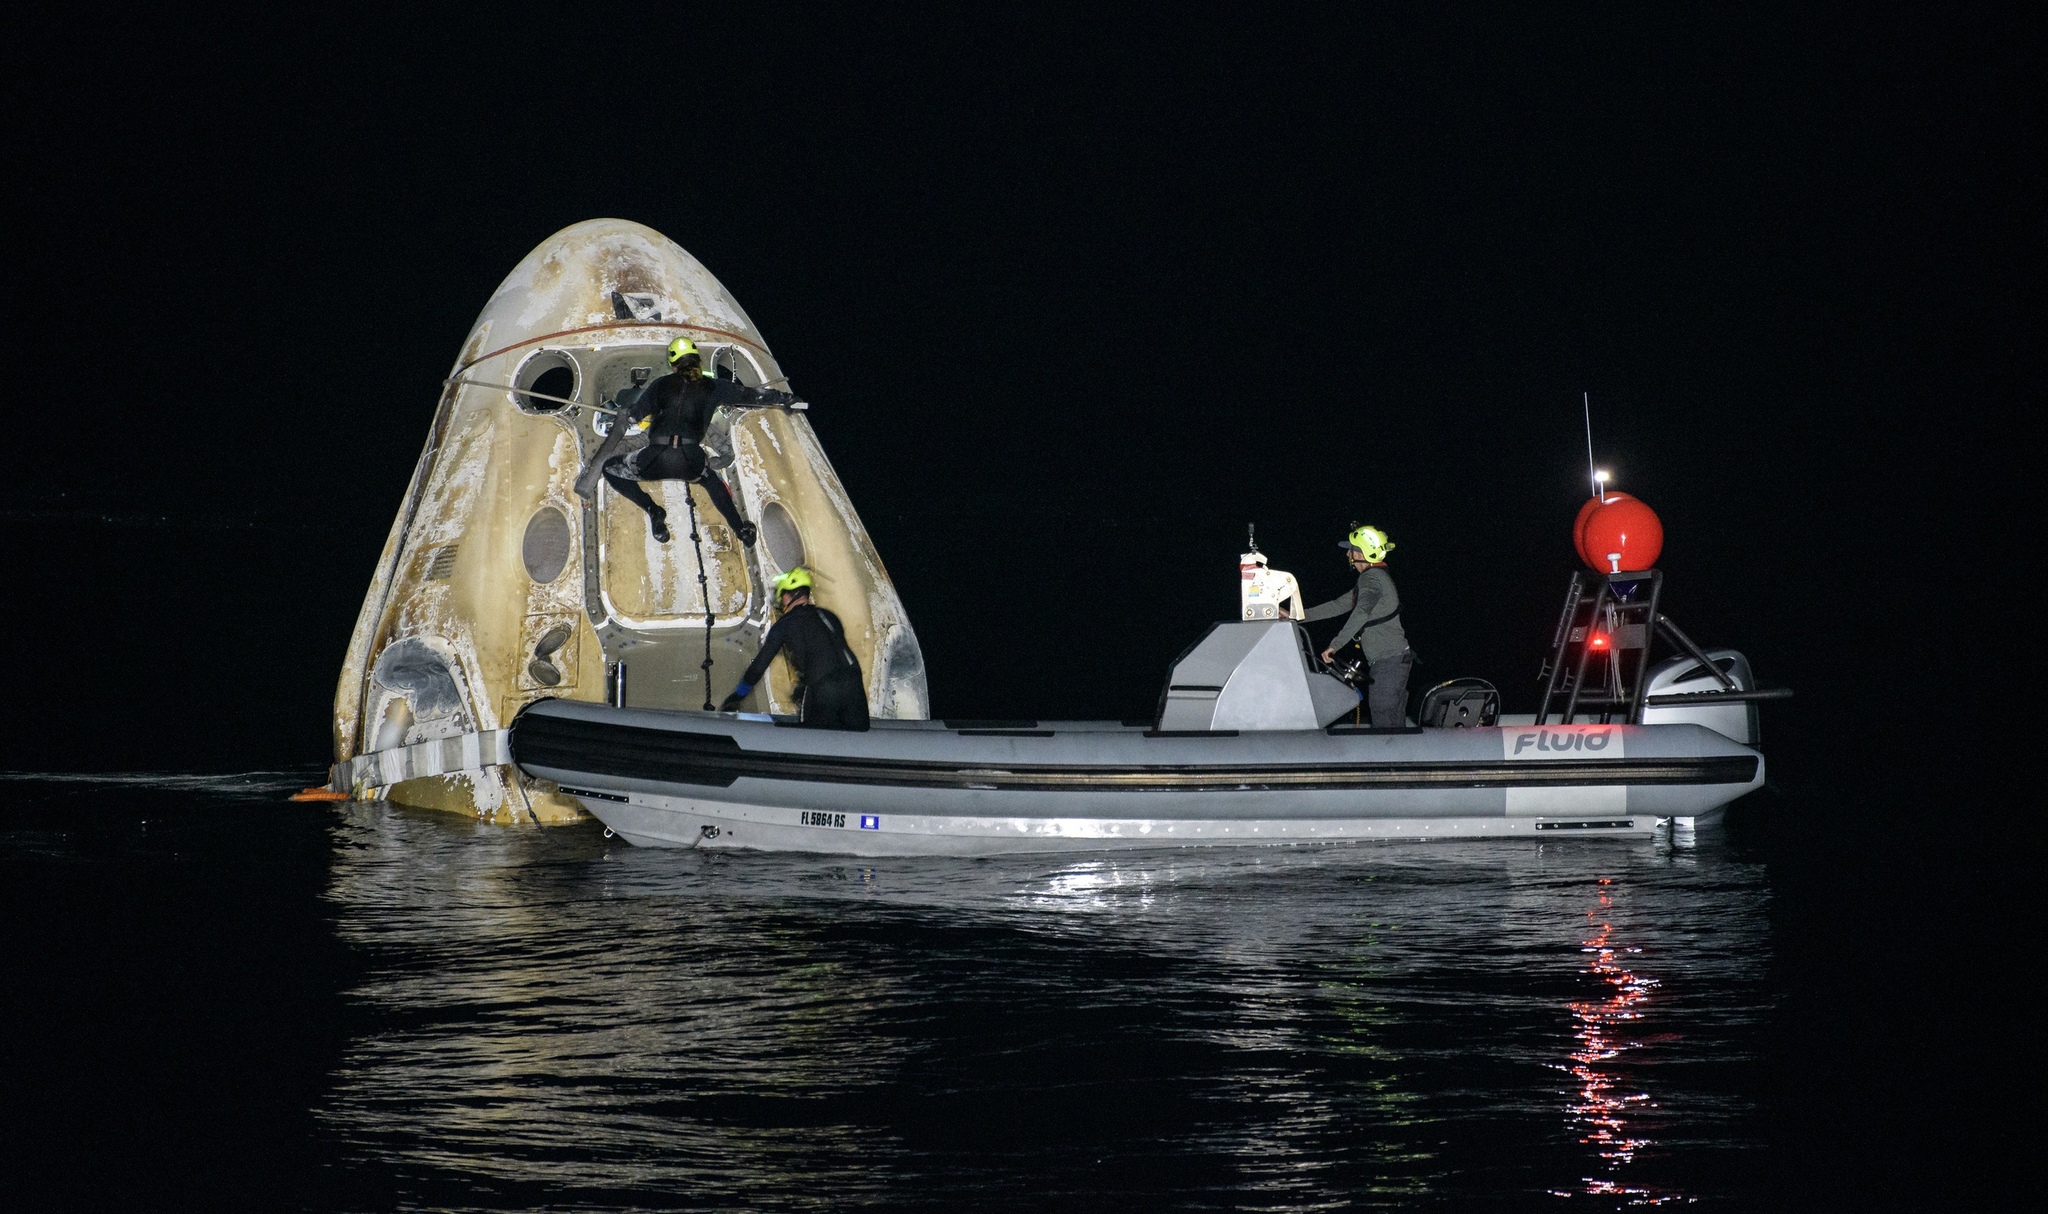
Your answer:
<point x="812" y="817"/>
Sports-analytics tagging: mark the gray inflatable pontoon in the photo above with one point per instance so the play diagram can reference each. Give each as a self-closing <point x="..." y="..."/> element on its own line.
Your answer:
<point x="1243" y="751"/>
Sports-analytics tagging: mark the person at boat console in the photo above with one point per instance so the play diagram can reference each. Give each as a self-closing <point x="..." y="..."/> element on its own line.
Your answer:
<point x="671" y="415"/>
<point x="831" y="693"/>
<point x="1373" y="608"/>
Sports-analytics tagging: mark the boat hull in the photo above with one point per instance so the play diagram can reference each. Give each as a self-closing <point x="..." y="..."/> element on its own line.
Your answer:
<point x="684" y="779"/>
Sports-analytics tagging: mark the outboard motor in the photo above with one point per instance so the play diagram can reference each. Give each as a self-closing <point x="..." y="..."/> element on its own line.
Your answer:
<point x="1685" y="676"/>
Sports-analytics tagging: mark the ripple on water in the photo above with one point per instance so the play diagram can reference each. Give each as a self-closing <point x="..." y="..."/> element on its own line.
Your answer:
<point x="548" y="1017"/>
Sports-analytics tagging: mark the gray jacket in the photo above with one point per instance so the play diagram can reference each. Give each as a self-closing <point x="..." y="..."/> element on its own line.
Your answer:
<point x="1375" y="609"/>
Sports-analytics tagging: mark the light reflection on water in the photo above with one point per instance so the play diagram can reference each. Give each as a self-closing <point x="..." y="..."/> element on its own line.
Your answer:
<point x="547" y="1017"/>
<point x="1603" y="1109"/>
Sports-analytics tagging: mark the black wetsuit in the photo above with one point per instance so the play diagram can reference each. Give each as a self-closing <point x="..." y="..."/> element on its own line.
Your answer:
<point x="833" y="695"/>
<point x="678" y="411"/>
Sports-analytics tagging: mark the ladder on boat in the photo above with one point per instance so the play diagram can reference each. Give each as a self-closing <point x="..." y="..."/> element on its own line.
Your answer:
<point x="1600" y="655"/>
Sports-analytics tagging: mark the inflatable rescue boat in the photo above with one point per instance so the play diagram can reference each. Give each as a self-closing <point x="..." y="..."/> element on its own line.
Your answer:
<point x="1253" y="743"/>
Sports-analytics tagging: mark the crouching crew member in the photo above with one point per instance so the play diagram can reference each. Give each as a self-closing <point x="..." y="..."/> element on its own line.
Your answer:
<point x="672" y="415"/>
<point x="1375" y="608"/>
<point x="831" y="692"/>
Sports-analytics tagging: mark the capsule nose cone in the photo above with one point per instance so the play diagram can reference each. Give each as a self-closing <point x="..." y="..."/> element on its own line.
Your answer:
<point x="606" y="273"/>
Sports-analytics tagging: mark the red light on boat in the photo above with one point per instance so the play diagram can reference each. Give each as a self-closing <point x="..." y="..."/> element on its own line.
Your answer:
<point x="1599" y="640"/>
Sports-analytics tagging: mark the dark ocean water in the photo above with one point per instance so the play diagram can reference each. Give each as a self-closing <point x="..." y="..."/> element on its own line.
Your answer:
<point x="216" y="994"/>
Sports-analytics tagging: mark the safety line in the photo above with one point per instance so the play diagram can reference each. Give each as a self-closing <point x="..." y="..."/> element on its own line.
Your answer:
<point x="638" y="324"/>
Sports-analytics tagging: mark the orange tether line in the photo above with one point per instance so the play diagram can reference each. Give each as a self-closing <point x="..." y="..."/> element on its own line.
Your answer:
<point x="617" y="324"/>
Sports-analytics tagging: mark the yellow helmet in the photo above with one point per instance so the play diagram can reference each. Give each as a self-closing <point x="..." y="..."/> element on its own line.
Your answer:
<point x="798" y="578"/>
<point x="1369" y="540"/>
<point x="680" y="349"/>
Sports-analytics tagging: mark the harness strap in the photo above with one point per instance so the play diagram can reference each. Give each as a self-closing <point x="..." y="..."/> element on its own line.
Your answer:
<point x="844" y="650"/>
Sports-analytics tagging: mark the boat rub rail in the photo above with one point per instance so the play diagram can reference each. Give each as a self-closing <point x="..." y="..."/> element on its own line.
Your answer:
<point x="717" y="761"/>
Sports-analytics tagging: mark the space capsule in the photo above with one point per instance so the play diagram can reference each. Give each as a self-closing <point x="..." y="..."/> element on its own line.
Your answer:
<point x="500" y="586"/>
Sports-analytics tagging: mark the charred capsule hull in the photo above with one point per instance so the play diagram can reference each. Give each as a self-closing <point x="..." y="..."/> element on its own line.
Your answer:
<point x="704" y="780"/>
<point x="500" y="584"/>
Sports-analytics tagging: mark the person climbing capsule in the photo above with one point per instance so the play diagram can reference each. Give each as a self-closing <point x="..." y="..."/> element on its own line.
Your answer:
<point x="831" y="693"/>
<point x="1374" y="610"/>
<point x="660" y="435"/>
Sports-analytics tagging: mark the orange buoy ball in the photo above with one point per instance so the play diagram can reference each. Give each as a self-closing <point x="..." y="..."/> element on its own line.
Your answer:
<point x="1623" y="532"/>
<point x="1579" y="524"/>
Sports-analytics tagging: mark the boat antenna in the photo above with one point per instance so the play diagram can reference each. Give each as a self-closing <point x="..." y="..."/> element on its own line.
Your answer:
<point x="1591" y="474"/>
<point x="1251" y="537"/>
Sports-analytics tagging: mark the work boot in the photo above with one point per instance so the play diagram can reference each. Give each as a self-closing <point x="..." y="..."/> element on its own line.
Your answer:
<point x="747" y="532"/>
<point x="657" y="521"/>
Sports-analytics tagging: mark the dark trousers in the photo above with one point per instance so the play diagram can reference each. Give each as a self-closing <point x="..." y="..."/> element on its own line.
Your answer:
<point x="678" y="463"/>
<point x="1387" y="699"/>
<point x="839" y="702"/>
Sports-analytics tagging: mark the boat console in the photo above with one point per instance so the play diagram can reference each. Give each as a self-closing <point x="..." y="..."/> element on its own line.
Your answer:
<point x="1251" y="675"/>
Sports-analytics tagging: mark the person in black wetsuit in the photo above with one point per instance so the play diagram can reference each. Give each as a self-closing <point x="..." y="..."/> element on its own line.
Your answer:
<point x="673" y="412"/>
<point x="832" y="694"/>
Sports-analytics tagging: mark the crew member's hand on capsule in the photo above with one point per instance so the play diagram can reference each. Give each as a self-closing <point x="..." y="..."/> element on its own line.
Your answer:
<point x="1329" y="658"/>
<point x="730" y="704"/>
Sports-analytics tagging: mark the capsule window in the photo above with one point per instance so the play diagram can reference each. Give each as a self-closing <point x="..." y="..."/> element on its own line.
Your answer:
<point x="545" y="547"/>
<point x="779" y="532"/>
<point x="545" y="374"/>
<point x="734" y="363"/>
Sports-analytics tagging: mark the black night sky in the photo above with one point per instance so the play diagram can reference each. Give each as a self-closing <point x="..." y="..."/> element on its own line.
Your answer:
<point x="1075" y="297"/>
<point x="1074" y="305"/>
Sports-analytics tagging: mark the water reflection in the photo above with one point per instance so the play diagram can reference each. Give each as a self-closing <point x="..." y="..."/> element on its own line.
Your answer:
<point x="1604" y="1107"/>
<point x="545" y="1017"/>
